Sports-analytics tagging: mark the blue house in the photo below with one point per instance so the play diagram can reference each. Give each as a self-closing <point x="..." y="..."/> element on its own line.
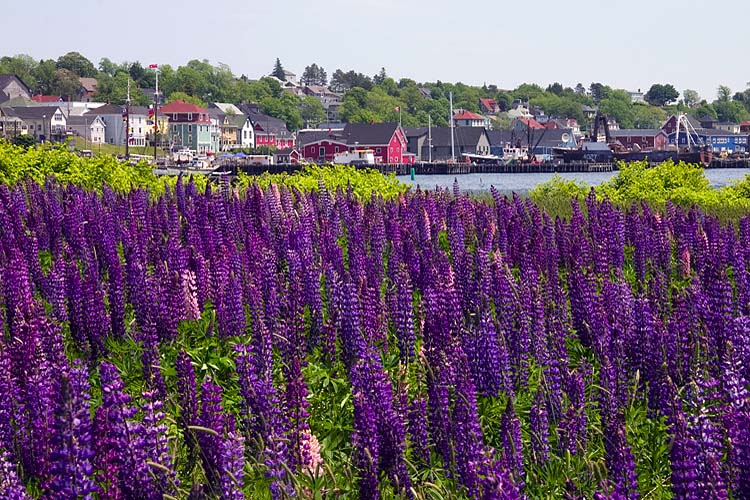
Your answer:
<point x="719" y="140"/>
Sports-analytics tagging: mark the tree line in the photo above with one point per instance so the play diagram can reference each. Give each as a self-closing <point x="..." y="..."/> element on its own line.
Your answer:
<point x="366" y="98"/>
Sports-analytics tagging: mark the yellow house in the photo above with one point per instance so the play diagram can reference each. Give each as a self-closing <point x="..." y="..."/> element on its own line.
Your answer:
<point x="163" y="128"/>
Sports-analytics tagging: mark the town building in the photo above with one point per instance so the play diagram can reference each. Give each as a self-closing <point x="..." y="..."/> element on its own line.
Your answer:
<point x="114" y="117"/>
<point x="489" y="107"/>
<point x="189" y="126"/>
<point x="466" y="141"/>
<point x="44" y="123"/>
<point x="639" y="139"/>
<point x="12" y="87"/>
<point x="90" y="129"/>
<point x="466" y="118"/>
<point x="321" y="146"/>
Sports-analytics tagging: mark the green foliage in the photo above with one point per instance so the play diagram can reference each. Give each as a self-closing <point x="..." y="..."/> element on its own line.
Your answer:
<point x="661" y="94"/>
<point x="77" y="64"/>
<point x="182" y="96"/>
<point x="555" y="194"/>
<point x="681" y="184"/>
<point x="364" y="183"/>
<point x="18" y="163"/>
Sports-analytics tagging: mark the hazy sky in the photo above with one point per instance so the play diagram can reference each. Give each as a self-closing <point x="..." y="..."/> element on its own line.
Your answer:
<point x="626" y="44"/>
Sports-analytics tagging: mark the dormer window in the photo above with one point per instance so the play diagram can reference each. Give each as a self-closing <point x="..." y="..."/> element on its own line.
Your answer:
<point x="190" y="117"/>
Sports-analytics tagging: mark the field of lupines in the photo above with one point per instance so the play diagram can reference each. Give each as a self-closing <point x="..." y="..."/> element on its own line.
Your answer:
<point x="276" y="343"/>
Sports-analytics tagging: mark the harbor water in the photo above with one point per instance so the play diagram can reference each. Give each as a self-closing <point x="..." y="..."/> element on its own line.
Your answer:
<point x="523" y="183"/>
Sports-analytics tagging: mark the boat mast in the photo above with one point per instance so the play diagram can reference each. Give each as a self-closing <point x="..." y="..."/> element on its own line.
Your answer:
<point x="453" y="151"/>
<point x="127" y="123"/>
<point x="429" y="136"/>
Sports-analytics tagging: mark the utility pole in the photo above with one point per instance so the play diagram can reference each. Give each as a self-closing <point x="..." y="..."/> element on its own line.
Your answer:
<point x="453" y="149"/>
<point x="127" y="123"/>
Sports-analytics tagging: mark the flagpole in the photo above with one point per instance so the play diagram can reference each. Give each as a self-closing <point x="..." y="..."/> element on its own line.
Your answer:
<point x="156" y="111"/>
<point x="127" y="123"/>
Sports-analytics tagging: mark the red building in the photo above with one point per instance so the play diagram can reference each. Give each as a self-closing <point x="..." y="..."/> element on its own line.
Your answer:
<point x="387" y="140"/>
<point x="641" y="138"/>
<point x="323" y="150"/>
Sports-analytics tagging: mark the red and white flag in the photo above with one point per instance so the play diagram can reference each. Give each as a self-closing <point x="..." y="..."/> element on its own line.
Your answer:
<point x="398" y="108"/>
<point x="153" y="66"/>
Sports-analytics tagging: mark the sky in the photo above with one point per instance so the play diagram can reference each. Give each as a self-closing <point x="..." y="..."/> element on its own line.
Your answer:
<point x="627" y="44"/>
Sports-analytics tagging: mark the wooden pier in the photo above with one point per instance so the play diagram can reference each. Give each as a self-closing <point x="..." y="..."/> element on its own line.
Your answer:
<point x="466" y="168"/>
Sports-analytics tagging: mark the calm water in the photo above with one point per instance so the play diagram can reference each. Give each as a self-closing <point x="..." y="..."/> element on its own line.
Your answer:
<point x="522" y="183"/>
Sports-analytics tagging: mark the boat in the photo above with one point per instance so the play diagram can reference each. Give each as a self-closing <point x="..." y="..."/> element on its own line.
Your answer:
<point x="355" y="157"/>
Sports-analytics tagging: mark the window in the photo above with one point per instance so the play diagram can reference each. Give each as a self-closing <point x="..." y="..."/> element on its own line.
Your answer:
<point x="190" y="139"/>
<point x="190" y="128"/>
<point x="140" y="130"/>
<point x="337" y="149"/>
<point x="377" y="150"/>
<point x="190" y="117"/>
<point x="322" y="152"/>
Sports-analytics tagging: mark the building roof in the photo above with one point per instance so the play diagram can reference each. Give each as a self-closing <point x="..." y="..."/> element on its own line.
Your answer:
<point x="369" y="134"/>
<point x="88" y="84"/>
<point x="6" y="78"/>
<point x="310" y="136"/>
<point x="488" y="103"/>
<point x="47" y="98"/>
<point x="636" y="132"/>
<point x="717" y="132"/>
<point x="462" y="136"/>
<point x="530" y="122"/>
<point x="83" y="120"/>
<point x="468" y="115"/>
<point x="35" y="112"/>
<point x="416" y="131"/>
<point x="226" y="107"/>
<point x="269" y="124"/>
<point x="549" y="138"/>
<point x="182" y="107"/>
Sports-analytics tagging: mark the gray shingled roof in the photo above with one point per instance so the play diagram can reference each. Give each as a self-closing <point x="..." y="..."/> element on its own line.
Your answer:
<point x="35" y="112"/>
<point x="270" y="124"/>
<point x="635" y="132"/>
<point x="305" y="137"/>
<point x="462" y="136"/>
<point x="369" y="134"/>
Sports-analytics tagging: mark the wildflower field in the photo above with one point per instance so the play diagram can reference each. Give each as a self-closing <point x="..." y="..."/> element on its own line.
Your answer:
<point x="276" y="343"/>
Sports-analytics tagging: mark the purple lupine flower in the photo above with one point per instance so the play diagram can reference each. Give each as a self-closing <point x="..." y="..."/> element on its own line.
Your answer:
<point x="365" y="441"/>
<point x="71" y="468"/>
<point x="418" y="430"/>
<point x="186" y="390"/>
<point x="10" y="487"/>
<point x="539" y="428"/>
<point x="683" y="457"/>
<point x="156" y="444"/>
<point x="233" y="464"/>
<point x="211" y="417"/>
<point x="512" y="443"/>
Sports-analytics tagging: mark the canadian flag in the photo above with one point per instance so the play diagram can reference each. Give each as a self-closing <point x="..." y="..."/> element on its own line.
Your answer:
<point x="153" y="66"/>
<point x="398" y="108"/>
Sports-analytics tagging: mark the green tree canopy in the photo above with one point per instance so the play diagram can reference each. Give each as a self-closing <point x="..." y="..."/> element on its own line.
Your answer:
<point x="312" y="111"/>
<point x="278" y="70"/>
<point x="77" y="64"/>
<point x="661" y="94"/>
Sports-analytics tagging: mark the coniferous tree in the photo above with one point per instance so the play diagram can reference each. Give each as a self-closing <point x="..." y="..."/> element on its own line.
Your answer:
<point x="278" y="70"/>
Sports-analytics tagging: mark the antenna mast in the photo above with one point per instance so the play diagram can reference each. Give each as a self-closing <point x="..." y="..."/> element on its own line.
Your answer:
<point x="453" y="151"/>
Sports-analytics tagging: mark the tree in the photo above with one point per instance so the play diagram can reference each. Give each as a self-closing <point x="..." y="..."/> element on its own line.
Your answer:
<point x="312" y="111"/>
<point x="25" y="140"/>
<point x="77" y="64"/>
<point x="730" y="111"/>
<point x="341" y="82"/>
<point x="580" y="89"/>
<point x="182" y="96"/>
<point x="66" y="84"/>
<point x="45" y="74"/>
<point x="380" y="77"/>
<point x="599" y="91"/>
<point x="661" y="95"/>
<point x="107" y="66"/>
<point x="555" y="88"/>
<point x="278" y="70"/>
<point x="21" y="65"/>
<point x="724" y="93"/>
<point x="691" y="98"/>
<point x="314" y="75"/>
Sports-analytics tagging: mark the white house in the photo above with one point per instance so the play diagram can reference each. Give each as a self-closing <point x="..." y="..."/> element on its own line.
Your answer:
<point x="246" y="134"/>
<point x="44" y="123"/>
<point x="114" y="117"/>
<point x="90" y="129"/>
